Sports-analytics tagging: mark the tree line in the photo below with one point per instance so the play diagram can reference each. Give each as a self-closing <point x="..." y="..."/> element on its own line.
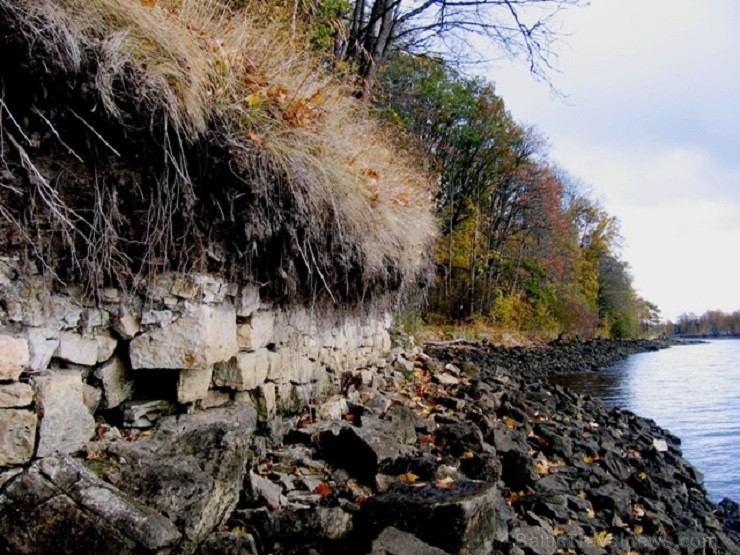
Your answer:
<point x="713" y="323"/>
<point x="522" y="242"/>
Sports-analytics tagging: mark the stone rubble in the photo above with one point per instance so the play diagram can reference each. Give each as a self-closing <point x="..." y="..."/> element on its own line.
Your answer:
<point x="193" y="417"/>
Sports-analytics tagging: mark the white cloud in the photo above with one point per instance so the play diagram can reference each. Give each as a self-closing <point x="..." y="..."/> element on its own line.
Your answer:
<point x="653" y="125"/>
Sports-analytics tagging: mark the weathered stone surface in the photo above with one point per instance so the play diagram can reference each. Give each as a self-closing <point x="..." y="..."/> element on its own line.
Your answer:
<point x="77" y="349"/>
<point x="215" y="398"/>
<point x="15" y="395"/>
<point x="125" y="323"/>
<point x="193" y="383"/>
<point x="393" y="541"/>
<point x="228" y="543"/>
<point x="143" y="414"/>
<point x="58" y="506"/>
<point x="258" y="332"/>
<point x="191" y="469"/>
<point x="17" y="436"/>
<point x="42" y="344"/>
<point x="106" y="347"/>
<point x="91" y="396"/>
<point x="248" y="301"/>
<point x="460" y="519"/>
<point x="14" y="357"/>
<point x="535" y="540"/>
<point x="204" y="336"/>
<point x="243" y="372"/>
<point x="66" y="424"/>
<point x="118" y="386"/>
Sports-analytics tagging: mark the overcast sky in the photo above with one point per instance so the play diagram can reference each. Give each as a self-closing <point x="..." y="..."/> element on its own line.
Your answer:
<point x="652" y="123"/>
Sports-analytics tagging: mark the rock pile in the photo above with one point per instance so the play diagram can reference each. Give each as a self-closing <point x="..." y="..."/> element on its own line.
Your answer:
<point x="445" y="452"/>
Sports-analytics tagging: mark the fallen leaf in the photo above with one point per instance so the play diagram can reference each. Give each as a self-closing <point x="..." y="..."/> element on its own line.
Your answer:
<point x="324" y="489"/>
<point x="638" y="530"/>
<point x="603" y="538"/>
<point x="558" y="531"/>
<point x="587" y="459"/>
<point x="467" y="455"/>
<point x="444" y="483"/>
<point x="510" y="423"/>
<point x="590" y="513"/>
<point x="408" y="477"/>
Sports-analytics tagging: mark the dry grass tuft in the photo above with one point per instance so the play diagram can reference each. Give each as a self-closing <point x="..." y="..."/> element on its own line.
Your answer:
<point x="239" y="75"/>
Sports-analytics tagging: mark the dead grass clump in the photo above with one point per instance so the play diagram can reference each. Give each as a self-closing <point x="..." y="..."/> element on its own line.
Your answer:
<point x="236" y="77"/>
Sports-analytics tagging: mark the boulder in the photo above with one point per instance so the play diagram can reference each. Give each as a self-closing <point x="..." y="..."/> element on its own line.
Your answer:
<point x="204" y="336"/>
<point x="118" y="386"/>
<point x="58" y="506"/>
<point x="191" y="469"/>
<point x="77" y="349"/>
<point x="65" y="422"/>
<point x="14" y="357"/>
<point x="17" y="436"/>
<point x="535" y="540"/>
<point x="15" y="395"/>
<point x="459" y="519"/>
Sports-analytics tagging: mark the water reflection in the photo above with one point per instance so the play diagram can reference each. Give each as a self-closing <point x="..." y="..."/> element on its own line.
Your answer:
<point x="692" y="390"/>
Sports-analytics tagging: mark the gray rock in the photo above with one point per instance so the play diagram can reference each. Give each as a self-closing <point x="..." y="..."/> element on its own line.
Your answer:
<point x="244" y="372"/>
<point x="42" y="344"/>
<point x="191" y="469"/>
<point x="143" y="414"/>
<point x="14" y="357"/>
<point x="59" y="506"/>
<point x="228" y="543"/>
<point x="460" y="519"/>
<point x="91" y="396"/>
<point x="77" y="349"/>
<point x="65" y="423"/>
<point x="17" y="436"/>
<point x="204" y="336"/>
<point x="125" y="323"/>
<point x="535" y="539"/>
<point x="106" y="347"/>
<point x="393" y="541"/>
<point x="15" y="395"/>
<point x="263" y="489"/>
<point x="118" y="386"/>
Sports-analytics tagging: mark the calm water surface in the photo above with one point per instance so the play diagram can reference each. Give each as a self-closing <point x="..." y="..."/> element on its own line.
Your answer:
<point x="693" y="391"/>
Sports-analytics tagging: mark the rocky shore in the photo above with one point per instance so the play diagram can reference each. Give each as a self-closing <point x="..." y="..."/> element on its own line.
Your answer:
<point x="463" y="448"/>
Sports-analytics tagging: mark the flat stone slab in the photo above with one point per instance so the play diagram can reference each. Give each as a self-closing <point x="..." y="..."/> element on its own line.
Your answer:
<point x="66" y="424"/>
<point x="58" y="502"/>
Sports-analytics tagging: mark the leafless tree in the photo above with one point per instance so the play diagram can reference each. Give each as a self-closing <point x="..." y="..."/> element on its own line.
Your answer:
<point x="523" y="29"/>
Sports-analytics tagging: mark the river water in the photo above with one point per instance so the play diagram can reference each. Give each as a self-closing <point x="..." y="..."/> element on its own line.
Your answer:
<point x="691" y="390"/>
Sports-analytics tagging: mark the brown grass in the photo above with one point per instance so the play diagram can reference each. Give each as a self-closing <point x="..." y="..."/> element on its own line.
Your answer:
<point x="207" y="68"/>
